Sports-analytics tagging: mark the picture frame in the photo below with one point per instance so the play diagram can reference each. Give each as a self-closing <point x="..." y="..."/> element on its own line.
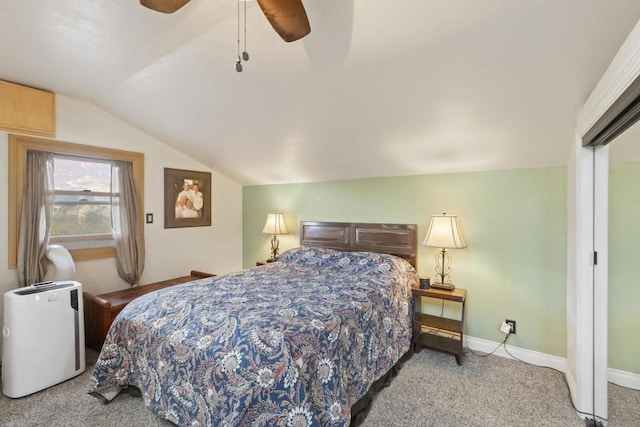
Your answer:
<point x="187" y="198"/>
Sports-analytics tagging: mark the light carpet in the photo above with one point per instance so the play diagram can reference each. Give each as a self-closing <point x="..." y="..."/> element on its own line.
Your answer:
<point x="430" y="390"/>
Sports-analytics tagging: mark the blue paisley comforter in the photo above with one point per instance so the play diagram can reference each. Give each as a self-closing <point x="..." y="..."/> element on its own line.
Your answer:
<point x="296" y="342"/>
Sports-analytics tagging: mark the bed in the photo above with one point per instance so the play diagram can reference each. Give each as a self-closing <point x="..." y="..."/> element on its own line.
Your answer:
<point x="298" y="342"/>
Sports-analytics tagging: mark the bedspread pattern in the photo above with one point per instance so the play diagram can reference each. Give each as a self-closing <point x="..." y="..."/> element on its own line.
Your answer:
<point x="295" y="343"/>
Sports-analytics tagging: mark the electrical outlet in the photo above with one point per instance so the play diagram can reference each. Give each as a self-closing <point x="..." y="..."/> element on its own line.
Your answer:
<point x="511" y="323"/>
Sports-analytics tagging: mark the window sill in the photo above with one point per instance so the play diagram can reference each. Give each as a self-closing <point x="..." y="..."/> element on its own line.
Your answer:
<point x="92" y="253"/>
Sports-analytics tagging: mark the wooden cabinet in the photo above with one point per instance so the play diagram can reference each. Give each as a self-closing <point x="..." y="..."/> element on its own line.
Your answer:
<point x="438" y="332"/>
<point x="27" y="110"/>
<point x="101" y="310"/>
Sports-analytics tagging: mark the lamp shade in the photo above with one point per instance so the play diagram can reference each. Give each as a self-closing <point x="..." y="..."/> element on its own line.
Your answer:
<point x="275" y="224"/>
<point x="444" y="233"/>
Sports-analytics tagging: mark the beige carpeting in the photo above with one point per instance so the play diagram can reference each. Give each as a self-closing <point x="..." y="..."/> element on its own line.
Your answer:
<point x="430" y="390"/>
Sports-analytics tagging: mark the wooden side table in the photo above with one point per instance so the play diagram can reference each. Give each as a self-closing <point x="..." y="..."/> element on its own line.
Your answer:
<point x="437" y="332"/>
<point x="259" y="263"/>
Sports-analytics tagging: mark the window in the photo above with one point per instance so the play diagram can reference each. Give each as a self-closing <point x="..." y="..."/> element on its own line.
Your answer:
<point x="82" y="202"/>
<point x="82" y="209"/>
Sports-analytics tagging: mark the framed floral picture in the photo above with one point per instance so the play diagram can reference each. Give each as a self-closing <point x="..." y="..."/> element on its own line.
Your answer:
<point x="187" y="198"/>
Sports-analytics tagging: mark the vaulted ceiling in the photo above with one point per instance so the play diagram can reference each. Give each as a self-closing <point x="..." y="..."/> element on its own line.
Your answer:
<point x="379" y="87"/>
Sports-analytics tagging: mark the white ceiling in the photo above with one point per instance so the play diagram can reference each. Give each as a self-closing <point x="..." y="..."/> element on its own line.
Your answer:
<point x="379" y="87"/>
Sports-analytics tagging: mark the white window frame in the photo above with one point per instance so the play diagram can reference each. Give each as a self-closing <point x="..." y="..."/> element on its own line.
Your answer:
<point x="82" y="241"/>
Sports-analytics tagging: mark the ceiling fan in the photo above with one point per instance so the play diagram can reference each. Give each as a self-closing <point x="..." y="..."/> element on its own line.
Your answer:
<point x="287" y="17"/>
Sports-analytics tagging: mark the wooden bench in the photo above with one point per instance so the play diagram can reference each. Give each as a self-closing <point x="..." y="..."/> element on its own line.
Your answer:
<point x="101" y="310"/>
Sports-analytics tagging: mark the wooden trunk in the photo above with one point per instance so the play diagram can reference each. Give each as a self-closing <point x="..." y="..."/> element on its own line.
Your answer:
<point x="101" y="310"/>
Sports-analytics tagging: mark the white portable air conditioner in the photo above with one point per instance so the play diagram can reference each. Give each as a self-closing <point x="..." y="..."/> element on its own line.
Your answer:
<point x="42" y="337"/>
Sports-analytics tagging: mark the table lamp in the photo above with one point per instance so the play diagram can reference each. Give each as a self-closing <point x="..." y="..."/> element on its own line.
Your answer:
<point x="275" y="225"/>
<point x="444" y="234"/>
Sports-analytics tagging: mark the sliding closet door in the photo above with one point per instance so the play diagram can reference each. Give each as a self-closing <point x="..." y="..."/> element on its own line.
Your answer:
<point x="624" y="253"/>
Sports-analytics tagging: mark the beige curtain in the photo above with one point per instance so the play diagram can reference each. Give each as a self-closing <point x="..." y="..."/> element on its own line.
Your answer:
<point x="128" y="232"/>
<point x="35" y="222"/>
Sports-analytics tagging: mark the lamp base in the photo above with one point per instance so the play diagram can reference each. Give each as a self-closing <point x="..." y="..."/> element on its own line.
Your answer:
<point x="443" y="286"/>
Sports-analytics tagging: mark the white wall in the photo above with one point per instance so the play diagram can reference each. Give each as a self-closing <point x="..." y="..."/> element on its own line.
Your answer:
<point x="169" y="252"/>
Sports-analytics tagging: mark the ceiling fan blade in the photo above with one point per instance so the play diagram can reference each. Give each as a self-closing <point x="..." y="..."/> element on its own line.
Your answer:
<point x="287" y="17"/>
<point x="164" y="6"/>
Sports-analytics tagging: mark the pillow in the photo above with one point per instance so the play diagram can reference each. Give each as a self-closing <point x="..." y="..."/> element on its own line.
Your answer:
<point x="345" y="261"/>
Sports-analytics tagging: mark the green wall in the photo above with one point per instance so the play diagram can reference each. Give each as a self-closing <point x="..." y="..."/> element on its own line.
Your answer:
<point x="624" y="267"/>
<point x="514" y="223"/>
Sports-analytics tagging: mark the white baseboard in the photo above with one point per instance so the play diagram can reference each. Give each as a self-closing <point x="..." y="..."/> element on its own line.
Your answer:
<point x="623" y="378"/>
<point x="529" y="356"/>
<point x="615" y="376"/>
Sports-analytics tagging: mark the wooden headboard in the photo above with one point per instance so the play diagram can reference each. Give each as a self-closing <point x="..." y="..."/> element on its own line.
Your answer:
<point x="395" y="239"/>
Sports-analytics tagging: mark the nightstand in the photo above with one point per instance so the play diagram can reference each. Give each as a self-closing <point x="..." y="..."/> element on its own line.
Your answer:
<point x="259" y="263"/>
<point x="437" y="332"/>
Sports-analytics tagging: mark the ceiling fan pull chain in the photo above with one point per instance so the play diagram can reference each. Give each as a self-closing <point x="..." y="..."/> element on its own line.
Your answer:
<point x="245" y="54"/>
<point x="239" y="61"/>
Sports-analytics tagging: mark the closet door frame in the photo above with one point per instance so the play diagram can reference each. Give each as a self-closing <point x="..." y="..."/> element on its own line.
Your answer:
<point x="587" y="216"/>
